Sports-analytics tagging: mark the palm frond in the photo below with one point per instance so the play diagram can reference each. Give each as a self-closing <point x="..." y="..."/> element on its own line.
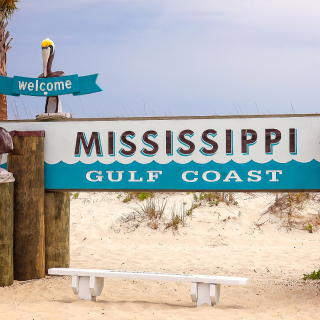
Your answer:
<point x="8" y="7"/>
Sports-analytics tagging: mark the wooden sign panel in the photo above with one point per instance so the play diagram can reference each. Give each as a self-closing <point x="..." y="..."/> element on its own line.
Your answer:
<point x="241" y="153"/>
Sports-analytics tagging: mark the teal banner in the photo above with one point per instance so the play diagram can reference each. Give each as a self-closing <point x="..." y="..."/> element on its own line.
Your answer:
<point x="48" y="87"/>
<point x="211" y="176"/>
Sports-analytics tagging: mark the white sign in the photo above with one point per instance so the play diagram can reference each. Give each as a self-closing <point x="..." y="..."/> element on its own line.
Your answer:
<point x="186" y="153"/>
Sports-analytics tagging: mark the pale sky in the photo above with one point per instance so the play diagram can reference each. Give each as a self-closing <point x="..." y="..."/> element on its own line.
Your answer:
<point x="173" y="57"/>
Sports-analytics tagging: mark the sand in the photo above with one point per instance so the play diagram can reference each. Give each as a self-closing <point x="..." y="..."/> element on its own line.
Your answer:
<point x="219" y="240"/>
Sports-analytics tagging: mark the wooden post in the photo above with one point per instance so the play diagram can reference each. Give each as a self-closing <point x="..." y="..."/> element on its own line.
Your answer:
<point x="57" y="229"/>
<point x="28" y="170"/>
<point x="6" y="233"/>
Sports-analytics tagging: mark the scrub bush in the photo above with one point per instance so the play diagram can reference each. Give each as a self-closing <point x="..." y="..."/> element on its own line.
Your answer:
<point x="315" y="275"/>
<point x="214" y="198"/>
<point x="150" y="212"/>
<point x="289" y="206"/>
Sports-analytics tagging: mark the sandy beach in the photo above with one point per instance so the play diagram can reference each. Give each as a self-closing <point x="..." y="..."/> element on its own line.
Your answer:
<point x="226" y="240"/>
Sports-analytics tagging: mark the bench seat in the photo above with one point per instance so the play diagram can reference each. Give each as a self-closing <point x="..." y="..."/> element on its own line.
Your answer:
<point x="88" y="283"/>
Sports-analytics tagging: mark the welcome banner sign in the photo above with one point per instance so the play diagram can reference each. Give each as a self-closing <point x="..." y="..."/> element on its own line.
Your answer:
<point x="258" y="153"/>
<point x="48" y="87"/>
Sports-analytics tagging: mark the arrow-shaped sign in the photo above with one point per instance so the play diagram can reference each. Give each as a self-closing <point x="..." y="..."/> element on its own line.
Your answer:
<point x="48" y="87"/>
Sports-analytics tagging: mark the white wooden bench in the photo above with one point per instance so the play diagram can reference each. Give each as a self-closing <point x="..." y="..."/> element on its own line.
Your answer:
<point x="88" y="283"/>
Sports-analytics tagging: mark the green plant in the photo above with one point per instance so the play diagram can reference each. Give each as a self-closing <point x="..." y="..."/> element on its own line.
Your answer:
<point x="214" y="203"/>
<point x="193" y="206"/>
<point x="145" y="195"/>
<point x="136" y="195"/>
<point x="310" y="228"/>
<point x="129" y="196"/>
<point x="178" y="217"/>
<point x="312" y="276"/>
<point x="76" y="195"/>
<point x="214" y="198"/>
<point x="175" y="222"/>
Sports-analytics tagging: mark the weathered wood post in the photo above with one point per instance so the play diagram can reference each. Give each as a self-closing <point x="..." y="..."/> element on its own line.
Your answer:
<point x="29" y="237"/>
<point x="57" y="229"/>
<point x="57" y="218"/>
<point x="6" y="232"/>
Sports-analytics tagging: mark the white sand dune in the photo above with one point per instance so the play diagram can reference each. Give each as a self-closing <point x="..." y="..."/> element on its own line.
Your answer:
<point x="221" y="240"/>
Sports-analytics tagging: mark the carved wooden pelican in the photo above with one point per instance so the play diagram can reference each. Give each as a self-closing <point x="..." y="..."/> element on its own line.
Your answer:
<point x="53" y="104"/>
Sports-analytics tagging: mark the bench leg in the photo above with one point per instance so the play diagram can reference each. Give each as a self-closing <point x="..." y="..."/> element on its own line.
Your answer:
<point x="208" y="293"/>
<point x="87" y="288"/>
<point x="75" y="284"/>
<point x="96" y="285"/>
